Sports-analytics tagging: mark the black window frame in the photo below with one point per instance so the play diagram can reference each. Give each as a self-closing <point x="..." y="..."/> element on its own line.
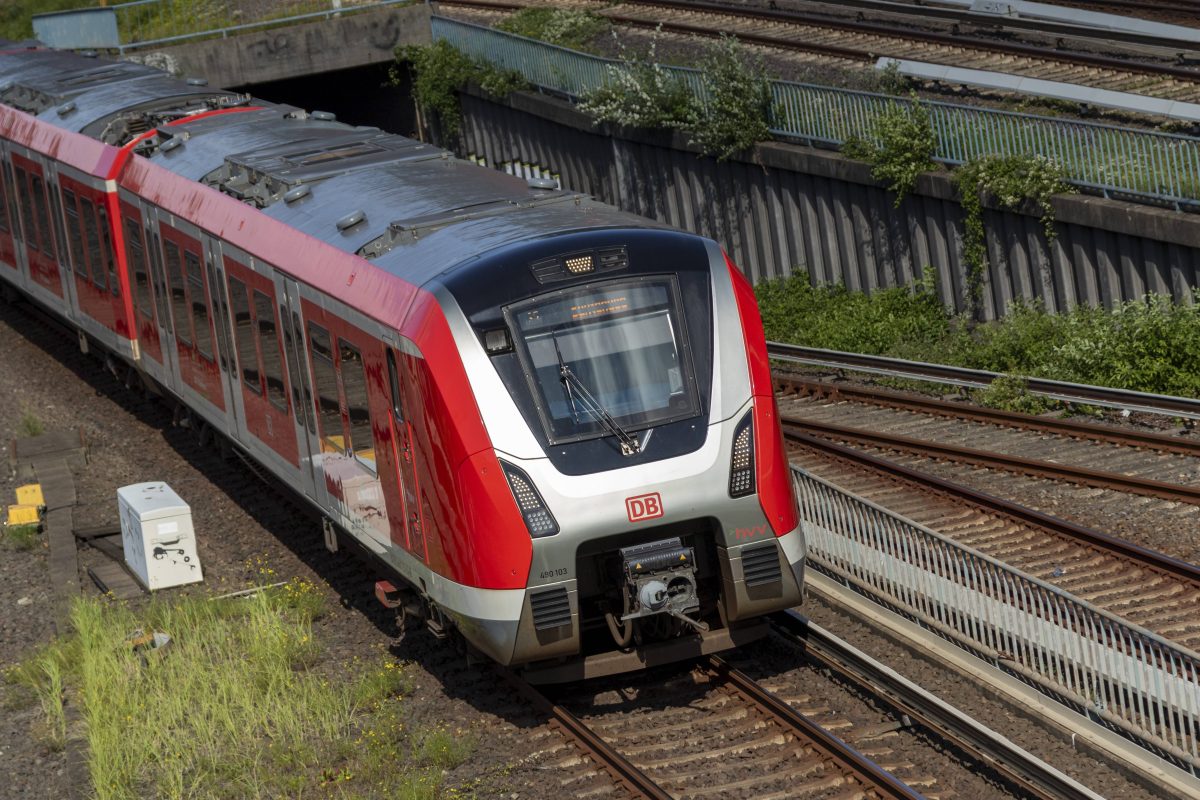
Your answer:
<point x="322" y="359"/>
<point x="243" y="335"/>
<point x="139" y="268"/>
<point x="268" y="342"/>
<point x="177" y="288"/>
<point x="198" y="305"/>
<point x="91" y="243"/>
<point x="352" y="365"/>
<point x="75" y="233"/>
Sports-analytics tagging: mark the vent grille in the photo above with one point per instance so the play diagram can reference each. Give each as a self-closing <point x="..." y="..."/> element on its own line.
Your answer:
<point x="760" y="564"/>
<point x="551" y="609"/>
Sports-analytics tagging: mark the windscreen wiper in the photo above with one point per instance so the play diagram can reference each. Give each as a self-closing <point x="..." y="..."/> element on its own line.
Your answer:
<point x="629" y="445"/>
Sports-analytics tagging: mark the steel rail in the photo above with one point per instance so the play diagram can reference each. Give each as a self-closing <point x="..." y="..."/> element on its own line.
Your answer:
<point x="1003" y="755"/>
<point x="1150" y="559"/>
<point x="988" y="458"/>
<point x="956" y="40"/>
<point x="869" y="774"/>
<point x="978" y="19"/>
<point x="930" y="37"/>
<point x="1160" y="442"/>
<point x="622" y="769"/>
<point x="1168" y="405"/>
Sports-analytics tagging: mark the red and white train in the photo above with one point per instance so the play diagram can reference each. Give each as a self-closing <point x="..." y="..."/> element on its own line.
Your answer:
<point x="550" y="422"/>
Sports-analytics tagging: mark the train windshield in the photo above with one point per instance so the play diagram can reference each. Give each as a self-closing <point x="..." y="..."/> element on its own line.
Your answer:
<point x="615" y="350"/>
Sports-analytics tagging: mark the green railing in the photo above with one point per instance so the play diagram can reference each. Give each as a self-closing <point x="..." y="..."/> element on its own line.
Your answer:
<point x="1161" y="167"/>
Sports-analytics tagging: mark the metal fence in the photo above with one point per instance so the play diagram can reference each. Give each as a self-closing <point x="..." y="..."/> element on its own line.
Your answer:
<point x="1105" y="158"/>
<point x="145" y="23"/>
<point x="1125" y="676"/>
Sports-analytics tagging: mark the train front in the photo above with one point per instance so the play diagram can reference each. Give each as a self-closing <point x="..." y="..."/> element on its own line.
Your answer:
<point x="637" y="431"/>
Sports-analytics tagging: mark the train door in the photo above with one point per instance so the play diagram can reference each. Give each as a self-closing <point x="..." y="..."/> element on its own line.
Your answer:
<point x="30" y="180"/>
<point x="162" y="305"/>
<point x="226" y="364"/>
<point x="191" y="315"/>
<point x="295" y="344"/>
<point x="94" y="285"/>
<point x="138" y="257"/>
<point x="9" y="268"/>
<point x="404" y="460"/>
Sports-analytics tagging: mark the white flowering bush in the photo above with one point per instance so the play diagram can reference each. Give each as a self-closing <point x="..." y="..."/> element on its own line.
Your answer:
<point x="732" y="114"/>
<point x="640" y="92"/>
<point x="738" y="101"/>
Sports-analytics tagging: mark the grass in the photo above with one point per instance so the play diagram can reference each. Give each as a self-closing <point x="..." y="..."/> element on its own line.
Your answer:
<point x="241" y="703"/>
<point x="1147" y="345"/>
<point x="22" y="537"/>
<point x="31" y="424"/>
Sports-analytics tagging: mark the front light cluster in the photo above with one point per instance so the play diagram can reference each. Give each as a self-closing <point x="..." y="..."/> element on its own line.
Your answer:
<point x="538" y="518"/>
<point x="741" y="464"/>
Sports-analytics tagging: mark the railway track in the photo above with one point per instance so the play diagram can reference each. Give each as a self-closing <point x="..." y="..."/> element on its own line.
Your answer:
<point x="1146" y="587"/>
<point x="718" y="732"/>
<point x="810" y="36"/>
<point x="714" y="732"/>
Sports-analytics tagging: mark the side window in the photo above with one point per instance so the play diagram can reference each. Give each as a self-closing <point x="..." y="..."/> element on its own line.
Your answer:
<point x="88" y="212"/>
<point x="75" y="232"/>
<point x="106" y="252"/>
<point x="243" y="332"/>
<point x="332" y="435"/>
<point x="27" y="226"/>
<point x="354" y="381"/>
<point x="195" y="277"/>
<point x="179" y="309"/>
<point x="268" y="341"/>
<point x="43" y="214"/>
<point x="308" y="400"/>
<point x="135" y="251"/>
<point x="394" y="384"/>
<point x="4" y="210"/>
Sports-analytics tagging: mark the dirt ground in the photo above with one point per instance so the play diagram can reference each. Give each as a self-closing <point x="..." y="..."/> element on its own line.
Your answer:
<point x="241" y="524"/>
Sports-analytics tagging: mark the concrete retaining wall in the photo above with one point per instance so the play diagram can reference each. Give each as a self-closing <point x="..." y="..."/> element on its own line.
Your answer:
<point x="351" y="40"/>
<point x="791" y="208"/>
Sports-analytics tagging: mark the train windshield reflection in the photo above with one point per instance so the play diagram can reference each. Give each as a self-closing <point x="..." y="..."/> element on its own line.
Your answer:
<point x="623" y="341"/>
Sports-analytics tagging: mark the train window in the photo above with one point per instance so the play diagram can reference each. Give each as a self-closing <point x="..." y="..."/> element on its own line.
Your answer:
<point x="27" y="227"/>
<point x="56" y="219"/>
<point x="156" y="277"/>
<point x="106" y="251"/>
<point x="4" y="224"/>
<point x="135" y="251"/>
<point x="88" y="212"/>
<point x="75" y="232"/>
<point x="354" y="382"/>
<point x="308" y="404"/>
<point x="10" y="196"/>
<point x="43" y="214"/>
<point x="394" y="384"/>
<point x="195" y="276"/>
<point x="243" y="332"/>
<point x="268" y="341"/>
<point x="333" y="437"/>
<point x="179" y="309"/>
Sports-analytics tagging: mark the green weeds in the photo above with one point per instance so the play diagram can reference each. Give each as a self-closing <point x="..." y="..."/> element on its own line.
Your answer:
<point x="1146" y="345"/>
<point x="31" y="424"/>
<point x="22" y="537"/>
<point x="241" y="703"/>
<point x="573" y="28"/>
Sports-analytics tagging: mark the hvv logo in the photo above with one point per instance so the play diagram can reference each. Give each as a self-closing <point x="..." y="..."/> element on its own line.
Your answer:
<point x="645" y="506"/>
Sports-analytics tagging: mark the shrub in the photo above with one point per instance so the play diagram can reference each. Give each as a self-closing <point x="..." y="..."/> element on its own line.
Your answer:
<point x="1012" y="180"/>
<point x="900" y="146"/>
<point x="642" y="93"/>
<point x="440" y="70"/>
<point x="739" y="102"/>
<point x="565" y="27"/>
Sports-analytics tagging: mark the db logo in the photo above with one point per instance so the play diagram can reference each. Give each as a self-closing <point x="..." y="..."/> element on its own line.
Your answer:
<point x="646" y="506"/>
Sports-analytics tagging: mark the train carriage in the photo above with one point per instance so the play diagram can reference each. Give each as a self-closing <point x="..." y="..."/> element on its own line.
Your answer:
<point x="549" y="422"/>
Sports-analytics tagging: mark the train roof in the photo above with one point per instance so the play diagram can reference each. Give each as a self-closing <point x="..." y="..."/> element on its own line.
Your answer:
<point x="412" y="209"/>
